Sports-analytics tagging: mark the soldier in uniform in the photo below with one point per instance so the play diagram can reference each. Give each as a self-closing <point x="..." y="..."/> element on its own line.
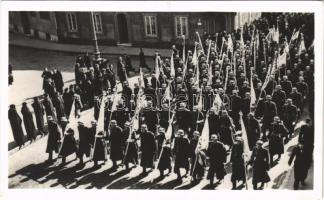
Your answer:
<point x="99" y="149"/>
<point x="253" y="130"/>
<point x="226" y="128"/>
<point x="237" y="160"/>
<point x="182" y="117"/>
<point x="131" y="148"/>
<point x="276" y="134"/>
<point x="269" y="112"/>
<point x="181" y="149"/>
<point x="290" y="114"/>
<point x="28" y="122"/>
<point x="197" y="168"/>
<point x="69" y="145"/>
<point x="150" y="116"/>
<point x="54" y="138"/>
<point x="84" y="142"/>
<point x="301" y="160"/>
<point x="286" y="85"/>
<point x="116" y="139"/>
<point x="236" y="107"/>
<point x="148" y="148"/>
<point x="260" y="163"/>
<point x="297" y="99"/>
<point x="217" y="157"/>
<point x="279" y="97"/>
<point x="165" y="158"/>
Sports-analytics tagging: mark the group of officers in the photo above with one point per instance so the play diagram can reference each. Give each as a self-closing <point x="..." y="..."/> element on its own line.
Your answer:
<point x="214" y="70"/>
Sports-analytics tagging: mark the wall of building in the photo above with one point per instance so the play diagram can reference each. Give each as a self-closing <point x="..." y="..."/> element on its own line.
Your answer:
<point x="245" y="17"/>
<point x="56" y="27"/>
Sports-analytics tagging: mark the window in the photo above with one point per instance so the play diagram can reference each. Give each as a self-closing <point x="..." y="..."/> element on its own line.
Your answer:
<point x="150" y="25"/>
<point x="44" y="15"/>
<point x="181" y="24"/>
<point x="97" y="22"/>
<point x="72" y="22"/>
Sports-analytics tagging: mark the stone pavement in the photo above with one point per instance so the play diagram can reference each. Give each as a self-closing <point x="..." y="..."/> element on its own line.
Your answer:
<point x="16" y="39"/>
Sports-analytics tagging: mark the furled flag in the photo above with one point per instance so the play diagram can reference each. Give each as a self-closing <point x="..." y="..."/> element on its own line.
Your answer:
<point x="217" y="105"/>
<point x="208" y="53"/>
<point x="267" y="79"/>
<point x="204" y="138"/>
<point x="167" y="94"/>
<point x="172" y="73"/>
<point x="242" y="40"/>
<point x="157" y="66"/>
<point x="269" y="36"/>
<point x="141" y="79"/>
<point x="200" y="103"/>
<point x="101" y="118"/>
<point x="73" y="121"/>
<point x="252" y="93"/>
<point x="168" y="133"/>
<point x="184" y="49"/>
<point x="301" y="46"/>
<point x="294" y="36"/>
<point x="246" y="148"/>
<point x="282" y="59"/>
<point x="275" y="35"/>
<point x="230" y="46"/>
<point x="194" y="56"/>
<point x="201" y="45"/>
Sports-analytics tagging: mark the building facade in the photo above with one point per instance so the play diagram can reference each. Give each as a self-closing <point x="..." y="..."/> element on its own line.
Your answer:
<point x="158" y="29"/>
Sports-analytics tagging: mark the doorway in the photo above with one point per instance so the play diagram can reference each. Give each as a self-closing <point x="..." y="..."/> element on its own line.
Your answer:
<point x="122" y="28"/>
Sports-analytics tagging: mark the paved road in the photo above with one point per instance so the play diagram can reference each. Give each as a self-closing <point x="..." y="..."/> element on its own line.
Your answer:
<point x="29" y="171"/>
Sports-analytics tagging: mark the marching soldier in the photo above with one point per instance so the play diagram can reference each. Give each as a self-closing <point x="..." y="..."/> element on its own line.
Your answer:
<point x="99" y="149"/>
<point x="253" y="130"/>
<point x="54" y="138"/>
<point x="84" y="142"/>
<point x="165" y="158"/>
<point x="260" y="163"/>
<point x="276" y="134"/>
<point x="197" y="167"/>
<point x="269" y="112"/>
<point x="301" y="161"/>
<point x="69" y="145"/>
<point x="290" y="114"/>
<point x="279" y="98"/>
<point x="150" y="116"/>
<point x="131" y="148"/>
<point x="116" y="139"/>
<point x="217" y="157"/>
<point x="237" y="160"/>
<point x="148" y="148"/>
<point x="181" y="151"/>
<point x="226" y="128"/>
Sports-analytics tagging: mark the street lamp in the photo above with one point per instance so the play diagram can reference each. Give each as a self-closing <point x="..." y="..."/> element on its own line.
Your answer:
<point x="96" y="50"/>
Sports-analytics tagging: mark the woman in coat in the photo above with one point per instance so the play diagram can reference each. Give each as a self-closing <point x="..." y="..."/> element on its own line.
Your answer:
<point x="39" y="114"/>
<point x="54" y="138"/>
<point x="15" y="122"/>
<point x="69" y="145"/>
<point x="28" y="122"/>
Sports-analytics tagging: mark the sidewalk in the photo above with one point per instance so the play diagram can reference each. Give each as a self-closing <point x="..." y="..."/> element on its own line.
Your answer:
<point x="16" y="39"/>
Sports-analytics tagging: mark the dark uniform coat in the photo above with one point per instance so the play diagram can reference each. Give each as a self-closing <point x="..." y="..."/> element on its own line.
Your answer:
<point x="238" y="168"/>
<point x="276" y="134"/>
<point x="69" y="145"/>
<point x="148" y="148"/>
<point x="217" y="157"/>
<point x="84" y="141"/>
<point x="116" y="139"/>
<point x="260" y="162"/>
<point x="289" y="113"/>
<point x="28" y="122"/>
<point x="131" y="152"/>
<point x="182" y="152"/>
<point x="301" y="163"/>
<point x="39" y="114"/>
<point x="15" y="122"/>
<point x="100" y="149"/>
<point x="253" y="131"/>
<point x="54" y="137"/>
<point x="165" y="159"/>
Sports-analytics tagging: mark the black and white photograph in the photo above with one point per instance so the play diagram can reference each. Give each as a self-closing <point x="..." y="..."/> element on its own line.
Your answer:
<point x="161" y="100"/>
